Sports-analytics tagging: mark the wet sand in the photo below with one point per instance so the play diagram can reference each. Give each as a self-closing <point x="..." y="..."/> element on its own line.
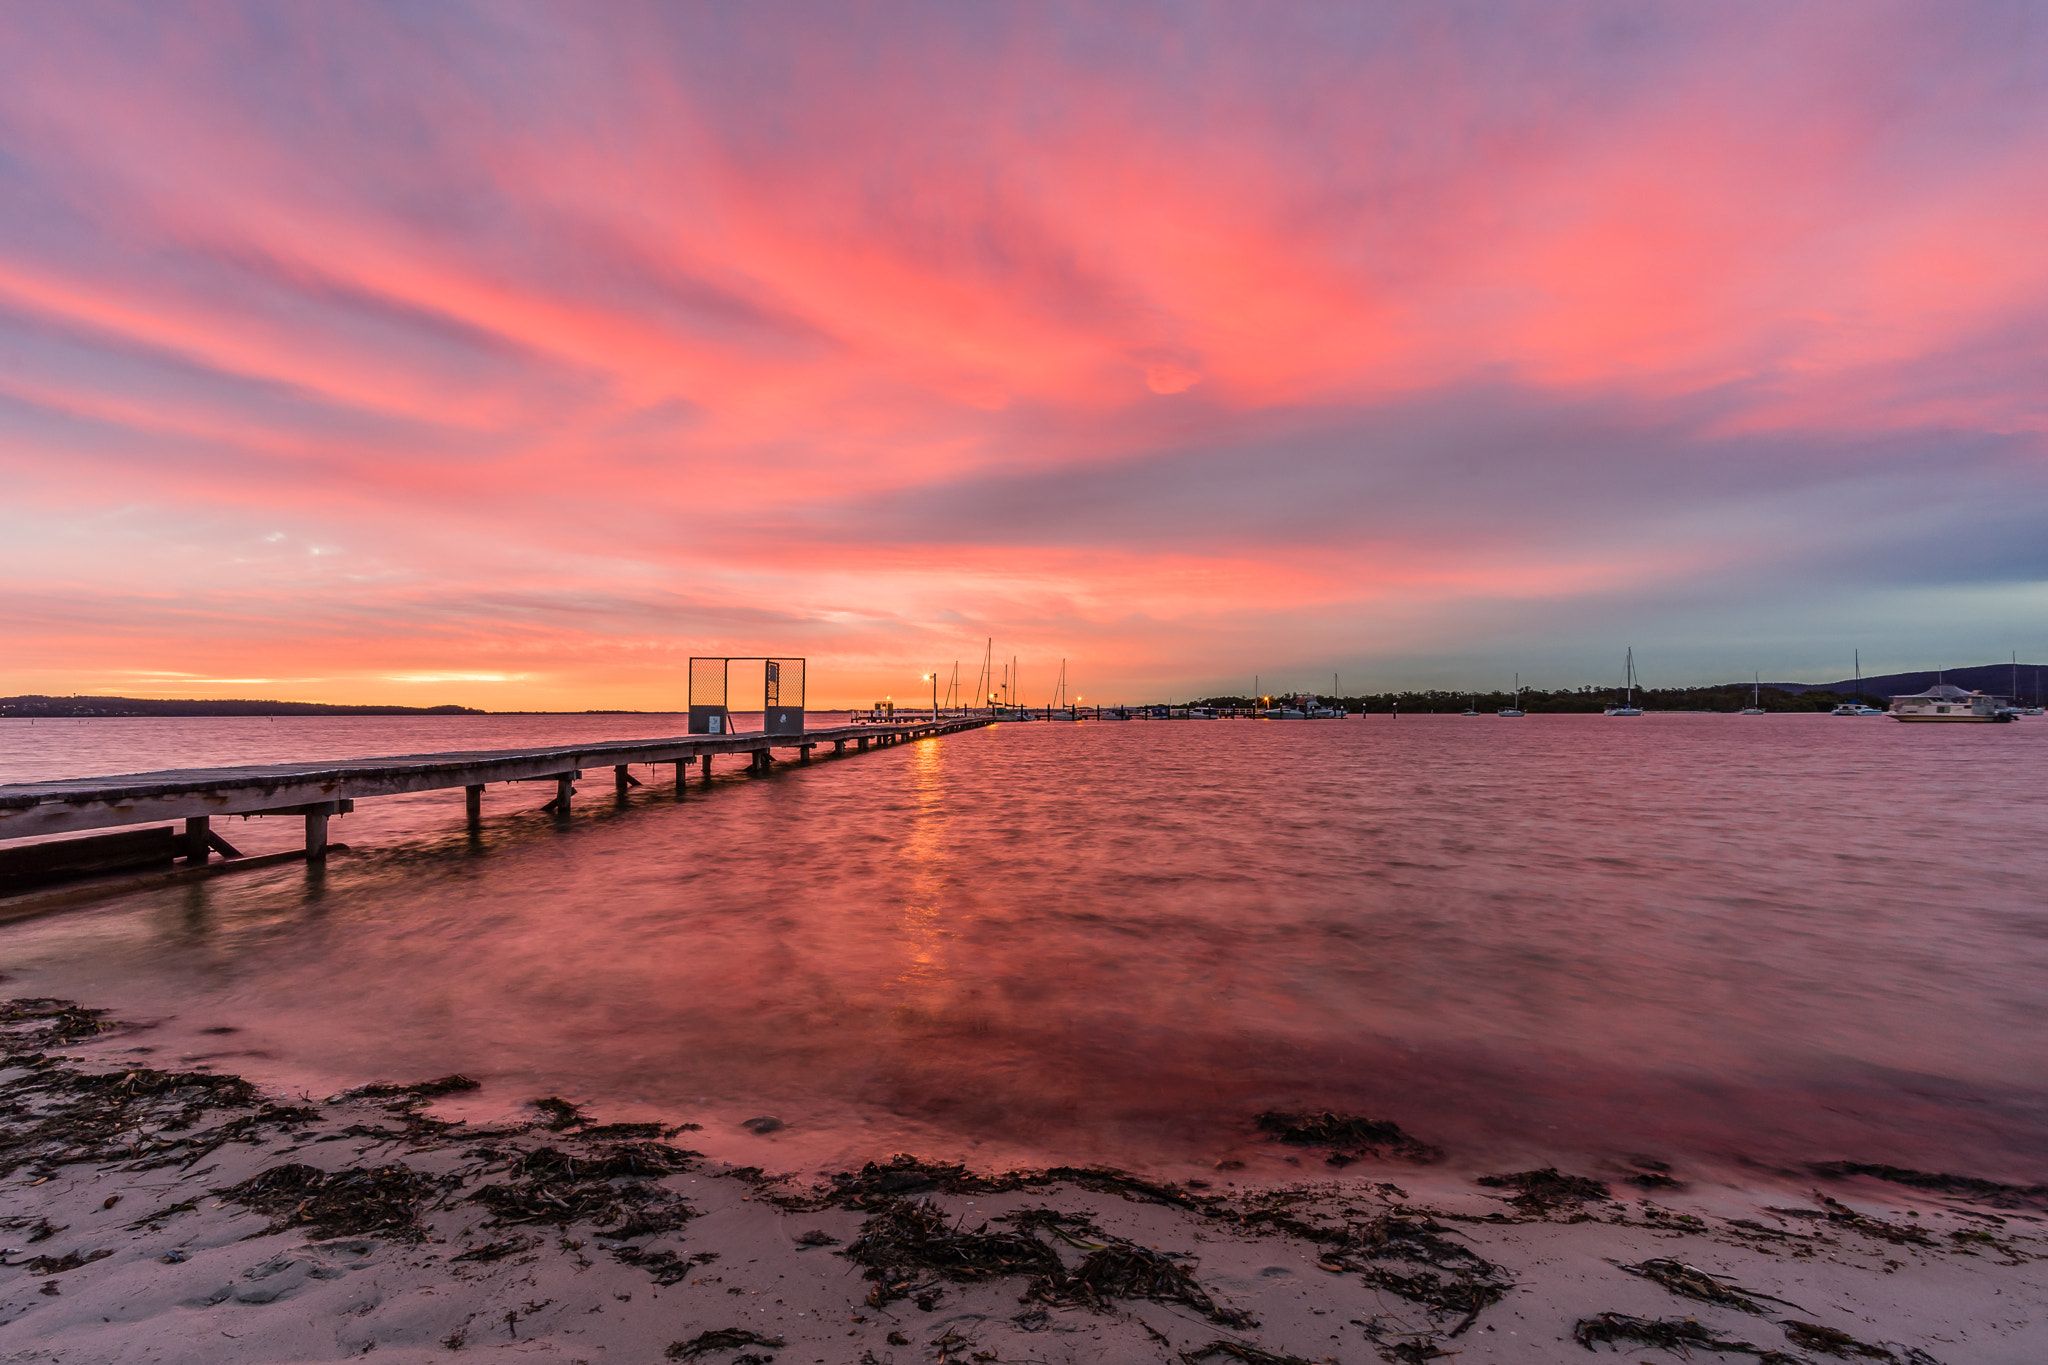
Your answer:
<point x="171" y="1216"/>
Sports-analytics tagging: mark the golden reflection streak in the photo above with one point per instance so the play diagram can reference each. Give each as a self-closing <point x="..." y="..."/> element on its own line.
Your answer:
<point x="922" y="847"/>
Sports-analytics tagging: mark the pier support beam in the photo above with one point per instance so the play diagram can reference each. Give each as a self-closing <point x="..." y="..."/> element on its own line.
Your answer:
<point x="838" y="746"/>
<point x="705" y="763"/>
<point x="863" y="743"/>
<point x="682" y="779"/>
<point x="623" y="779"/>
<point x="316" y="836"/>
<point x="563" y="791"/>
<point x="803" y="752"/>
<point x="197" y="830"/>
<point x="473" y="803"/>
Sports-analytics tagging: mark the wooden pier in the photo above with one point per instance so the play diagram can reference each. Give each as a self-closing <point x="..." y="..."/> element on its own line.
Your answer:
<point x="319" y="791"/>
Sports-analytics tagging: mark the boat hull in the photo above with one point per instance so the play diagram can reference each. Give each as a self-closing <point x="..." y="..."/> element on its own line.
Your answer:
<point x="1952" y="720"/>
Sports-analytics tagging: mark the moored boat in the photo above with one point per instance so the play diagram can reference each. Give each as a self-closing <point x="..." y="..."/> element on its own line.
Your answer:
<point x="1756" y="699"/>
<point x="1628" y="705"/>
<point x="1945" y="703"/>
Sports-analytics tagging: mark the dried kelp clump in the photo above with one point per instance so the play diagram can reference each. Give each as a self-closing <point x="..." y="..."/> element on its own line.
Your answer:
<point x="1417" y="1259"/>
<point x="1690" y="1282"/>
<point x="725" y="1339"/>
<point x="57" y="1115"/>
<point x="384" y="1201"/>
<point x="608" y="1186"/>
<point x="58" y="1022"/>
<point x="1128" y="1271"/>
<point x="904" y="1245"/>
<point x="1670" y="1334"/>
<point x="1347" y="1137"/>
<point x="1547" y="1190"/>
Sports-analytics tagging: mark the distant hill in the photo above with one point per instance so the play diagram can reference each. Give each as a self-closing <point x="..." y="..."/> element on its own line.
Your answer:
<point x="1993" y="678"/>
<point x="42" y="707"/>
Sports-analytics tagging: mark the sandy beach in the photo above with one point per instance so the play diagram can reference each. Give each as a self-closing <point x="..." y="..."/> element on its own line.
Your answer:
<point x="183" y="1216"/>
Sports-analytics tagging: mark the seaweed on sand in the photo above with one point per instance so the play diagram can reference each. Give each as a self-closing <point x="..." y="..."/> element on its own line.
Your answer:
<point x="418" y="1093"/>
<point x="1898" y="1234"/>
<point x="903" y="1241"/>
<point x="57" y="1265"/>
<point x="498" y="1250"/>
<point x="1125" y="1270"/>
<point x="1348" y="1137"/>
<point x="1812" y="1336"/>
<point x="1108" y="1180"/>
<point x="61" y="1022"/>
<point x="1991" y="1192"/>
<point x="1239" y="1351"/>
<point x="903" y="1175"/>
<point x="550" y="1186"/>
<point x="725" y="1339"/>
<point x="355" y="1202"/>
<point x="561" y="1115"/>
<point x="1545" y="1190"/>
<point x="59" y="1115"/>
<point x="1451" y="1278"/>
<point x="1693" y="1283"/>
<point x="1670" y="1334"/>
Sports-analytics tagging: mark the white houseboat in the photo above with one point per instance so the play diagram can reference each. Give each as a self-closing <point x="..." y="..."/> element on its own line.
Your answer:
<point x="1948" y="703"/>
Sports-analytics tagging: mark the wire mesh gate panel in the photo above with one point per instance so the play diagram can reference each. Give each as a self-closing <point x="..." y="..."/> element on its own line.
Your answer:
<point x="782" y="694"/>
<point x="708" y="713"/>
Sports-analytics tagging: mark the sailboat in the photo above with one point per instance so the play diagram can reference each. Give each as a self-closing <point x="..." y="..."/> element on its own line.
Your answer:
<point x="1516" y="708"/>
<point x="1472" y="705"/>
<point x="1756" y="701"/>
<point x="1858" y="707"/>
<point x="1061" y="708"/>
<point x="1628" y="706"/>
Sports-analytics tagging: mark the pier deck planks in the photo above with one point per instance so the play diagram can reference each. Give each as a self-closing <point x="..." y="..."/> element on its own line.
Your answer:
<point x="31" y="809"/>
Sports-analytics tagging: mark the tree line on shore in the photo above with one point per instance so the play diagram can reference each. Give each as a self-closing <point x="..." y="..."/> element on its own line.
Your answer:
<point x="1583" y="700"/>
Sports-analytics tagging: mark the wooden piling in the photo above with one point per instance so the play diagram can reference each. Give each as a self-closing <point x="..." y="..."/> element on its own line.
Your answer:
<point x="316" y="836"/>
<point x="197" y="828"/>
<point x="473" y="802"/>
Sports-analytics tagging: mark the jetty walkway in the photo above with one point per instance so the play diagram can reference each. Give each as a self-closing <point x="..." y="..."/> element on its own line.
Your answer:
<point x="320" y="791"/>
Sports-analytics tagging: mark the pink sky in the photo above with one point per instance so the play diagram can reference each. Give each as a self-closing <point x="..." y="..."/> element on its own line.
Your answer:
<point x="510" y="354"/>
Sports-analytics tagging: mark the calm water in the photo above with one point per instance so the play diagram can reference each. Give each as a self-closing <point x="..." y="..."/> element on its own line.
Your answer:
<point x="1711" y="939"/>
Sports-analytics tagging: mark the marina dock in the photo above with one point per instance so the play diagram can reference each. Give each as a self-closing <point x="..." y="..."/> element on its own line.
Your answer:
<point x="319" y="791"/>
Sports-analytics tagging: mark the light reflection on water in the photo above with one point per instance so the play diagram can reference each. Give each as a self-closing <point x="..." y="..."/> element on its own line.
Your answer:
<point x="1786" y="939"/>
